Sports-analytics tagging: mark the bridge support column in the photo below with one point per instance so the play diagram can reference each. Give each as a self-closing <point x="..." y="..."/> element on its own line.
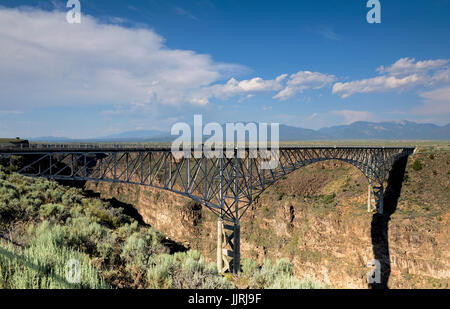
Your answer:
<point x="237" y="249"/>
<point x="228" y="247"/>
<point x="378" y="192"/>
<point x="220" y="245"/>
<point x="369" y="198"/>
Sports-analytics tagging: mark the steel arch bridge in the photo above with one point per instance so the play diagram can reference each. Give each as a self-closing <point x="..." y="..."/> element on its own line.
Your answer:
<point x="226" y="184"/>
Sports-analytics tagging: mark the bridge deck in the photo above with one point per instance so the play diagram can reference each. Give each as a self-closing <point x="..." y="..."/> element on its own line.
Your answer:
<point x="33" y="148"/>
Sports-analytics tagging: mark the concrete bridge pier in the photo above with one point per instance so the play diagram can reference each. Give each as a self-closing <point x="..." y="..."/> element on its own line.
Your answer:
<point x="228" y="246"/>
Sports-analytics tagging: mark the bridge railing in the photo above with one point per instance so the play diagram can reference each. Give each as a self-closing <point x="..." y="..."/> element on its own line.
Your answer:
<point x="79" y="146"/>
<point x="145" y="146"/>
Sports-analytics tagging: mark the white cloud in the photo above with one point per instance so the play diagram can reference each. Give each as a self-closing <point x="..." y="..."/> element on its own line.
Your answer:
<point x="441" y="76"/>
<point x="303" y="80"/>
<point x="352" y="116"/>
<point x="182" y="12"/>
<point x="405" y="73"/>
<point x="312" y="116"/>
<point x="234" y="87"/>
<point x="437" y="102"/>
<point x="440" y="94"/>
<point x="406" y="66"/>
<point x="199" y="101"/>
<point x="10" y="112"/>
<point x="256" y="84"/>
<point x="46" y="61"/>
<point x="327" y="32"/>
<point x="376" y="84"/>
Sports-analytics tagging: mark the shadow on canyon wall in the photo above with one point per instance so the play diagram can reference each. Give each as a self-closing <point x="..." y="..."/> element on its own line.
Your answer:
<point x="380" y="223"/>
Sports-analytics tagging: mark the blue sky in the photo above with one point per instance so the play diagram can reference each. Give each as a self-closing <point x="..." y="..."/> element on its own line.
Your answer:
<point x="133" y="65"/>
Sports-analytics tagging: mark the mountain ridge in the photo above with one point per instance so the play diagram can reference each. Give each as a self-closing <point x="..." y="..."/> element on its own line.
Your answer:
<point x="359" y="130"/>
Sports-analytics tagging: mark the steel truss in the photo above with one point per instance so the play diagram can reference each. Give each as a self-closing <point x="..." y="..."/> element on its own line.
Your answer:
<point x="227" y="185"/>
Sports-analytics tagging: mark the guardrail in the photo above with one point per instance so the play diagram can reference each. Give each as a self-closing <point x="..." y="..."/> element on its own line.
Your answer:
<point x="74" y="147"/>
<point x="100" y="147"/>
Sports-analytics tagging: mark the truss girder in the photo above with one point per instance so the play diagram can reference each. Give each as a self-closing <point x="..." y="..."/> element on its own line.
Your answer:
<point x="225" y="185"/>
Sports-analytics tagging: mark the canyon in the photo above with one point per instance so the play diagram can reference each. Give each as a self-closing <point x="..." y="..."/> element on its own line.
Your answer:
<point x="317" y="218"/>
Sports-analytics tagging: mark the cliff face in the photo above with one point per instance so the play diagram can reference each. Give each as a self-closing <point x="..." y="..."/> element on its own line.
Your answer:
<point x="317" y="217"/>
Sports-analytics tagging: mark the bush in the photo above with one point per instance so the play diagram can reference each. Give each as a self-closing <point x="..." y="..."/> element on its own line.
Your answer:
<point x="249" y="266"/>
<point x="43" y="263"/>
<point x="279" y="196"/>
<point x="51" y="210"/>
<point x="159" y="276"/>
<point x="278" y="276"/>
<point x="183" y="270"/>
<point x="71" y="197"/>
<point x="417" y="165"/>
<point x="290" y="282"/>
<point x="84" y="235"/>
<point x="284" y="266"/>
<point x="136" y="252"/>
<point x="106" y="242"/>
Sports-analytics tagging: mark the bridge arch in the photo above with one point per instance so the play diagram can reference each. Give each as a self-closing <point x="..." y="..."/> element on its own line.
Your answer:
<point x="355" y="164"/>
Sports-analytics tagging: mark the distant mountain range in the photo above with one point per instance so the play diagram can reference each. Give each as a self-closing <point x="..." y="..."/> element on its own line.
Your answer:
<point x="395" y="130"/>
<point x="360" y="130"/>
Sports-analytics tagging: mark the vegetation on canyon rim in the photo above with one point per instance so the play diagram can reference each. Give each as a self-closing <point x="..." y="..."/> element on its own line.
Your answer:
<point x="43" y="225"/>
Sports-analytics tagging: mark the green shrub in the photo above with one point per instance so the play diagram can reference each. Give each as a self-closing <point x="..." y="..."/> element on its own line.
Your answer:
<point x="278" y="276"/>
<point x="279" y="196"/>
<point x="136" y="252"/>
<point x="290" y="282"/>
<point x="249" y="266"/>
<point x="121" y="250"/>
<point x="106" y="247"/>
<point x="159" y="275"/>
<point x="194" y="254"/>
<point x="103" y="216"/>
<point x="191" y="265"/>
<point x="284" y="266"/>
<point x="127" y="229"/>
<point x="71" y="197"/>
<point x="84" y="235"/>
<point x="417" y="165"/>
<point x="183" y="270"/>
<point x="51" y="210"/>
<point x="43" y="263"/>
